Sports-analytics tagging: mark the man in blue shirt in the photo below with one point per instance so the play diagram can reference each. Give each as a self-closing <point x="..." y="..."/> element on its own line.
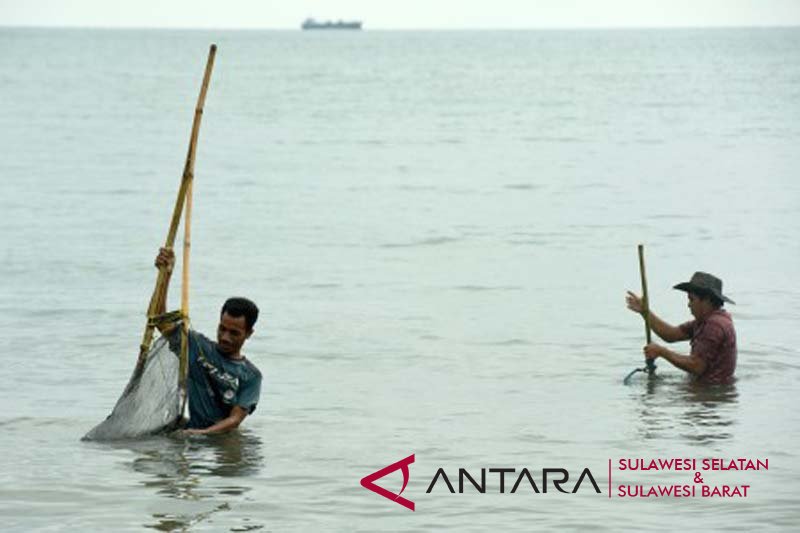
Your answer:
<point x="223" y="385"/>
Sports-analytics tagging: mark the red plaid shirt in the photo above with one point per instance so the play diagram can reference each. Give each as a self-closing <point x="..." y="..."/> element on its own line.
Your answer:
<point x="714" y="341"/>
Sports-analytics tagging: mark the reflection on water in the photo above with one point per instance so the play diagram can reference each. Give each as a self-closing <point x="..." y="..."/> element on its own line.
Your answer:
<point x="710" y="411"/>
<point x="681" y="409"/>
<point x="196" y="469"/>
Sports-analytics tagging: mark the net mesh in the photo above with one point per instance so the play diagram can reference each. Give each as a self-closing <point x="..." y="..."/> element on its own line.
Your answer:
<point x="151" y="402"/>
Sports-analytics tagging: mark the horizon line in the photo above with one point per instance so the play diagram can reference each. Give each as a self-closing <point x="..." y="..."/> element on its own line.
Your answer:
<point x="400" y="29"/>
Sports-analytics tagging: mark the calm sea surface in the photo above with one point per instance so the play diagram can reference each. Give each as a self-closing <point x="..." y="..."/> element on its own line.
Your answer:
<point x="439" y="228"/>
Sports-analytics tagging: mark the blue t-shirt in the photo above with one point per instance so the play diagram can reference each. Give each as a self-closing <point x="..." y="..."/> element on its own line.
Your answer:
<point x="215" y="382"/>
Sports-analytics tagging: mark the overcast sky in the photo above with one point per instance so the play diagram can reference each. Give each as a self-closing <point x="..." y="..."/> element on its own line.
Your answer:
<point x="400" y="14"/>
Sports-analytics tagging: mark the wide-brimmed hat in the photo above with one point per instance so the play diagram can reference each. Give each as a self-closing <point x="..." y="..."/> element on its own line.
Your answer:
<point x="703" y="282"/>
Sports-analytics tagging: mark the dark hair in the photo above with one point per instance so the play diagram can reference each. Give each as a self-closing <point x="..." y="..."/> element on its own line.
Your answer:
<point x="710" y="296"/>
<point x="237" y="307"/>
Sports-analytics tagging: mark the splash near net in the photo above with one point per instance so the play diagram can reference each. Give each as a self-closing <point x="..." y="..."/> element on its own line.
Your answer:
<point x="155" y="399"/>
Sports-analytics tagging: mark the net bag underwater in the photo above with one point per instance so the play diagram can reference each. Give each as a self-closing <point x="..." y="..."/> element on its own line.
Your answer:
<point x="152" y="401"/>
<point x="155" y="399"/>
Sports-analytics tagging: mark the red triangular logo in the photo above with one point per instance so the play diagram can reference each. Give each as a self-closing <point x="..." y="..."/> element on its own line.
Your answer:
<point x="368" y="481"/>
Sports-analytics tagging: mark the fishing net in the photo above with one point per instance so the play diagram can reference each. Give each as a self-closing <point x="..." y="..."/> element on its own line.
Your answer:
<point x="155" y="400"/>
<point x="152" y="401"/>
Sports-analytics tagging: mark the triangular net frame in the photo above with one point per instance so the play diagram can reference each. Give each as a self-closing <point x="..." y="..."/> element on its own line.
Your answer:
<point x="155" y="399"/>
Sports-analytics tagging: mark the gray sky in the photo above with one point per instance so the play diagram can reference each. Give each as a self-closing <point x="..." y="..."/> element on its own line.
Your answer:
<point x="400" y="14"/>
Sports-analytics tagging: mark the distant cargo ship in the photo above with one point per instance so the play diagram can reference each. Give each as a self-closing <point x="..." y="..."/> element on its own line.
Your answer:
<point x="311" y="24"/>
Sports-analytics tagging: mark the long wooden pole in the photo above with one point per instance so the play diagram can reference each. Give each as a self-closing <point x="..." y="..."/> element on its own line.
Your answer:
<point x="645" y="307"/>
<point x="156" y="300"/>
<point x="183" y="367"/>
<point x="187" y="245"/>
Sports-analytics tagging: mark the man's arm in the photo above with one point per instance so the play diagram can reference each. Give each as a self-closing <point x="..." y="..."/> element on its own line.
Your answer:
<point x="667" y="332"/>
<point x="688" y="363"/>
<point x="165" y="260"/>
<point x="226" y="424"/>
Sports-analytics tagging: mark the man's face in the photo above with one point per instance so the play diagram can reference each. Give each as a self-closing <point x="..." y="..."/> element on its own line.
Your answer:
<point x="698" y="307"/>
<point x="231" y="334"/>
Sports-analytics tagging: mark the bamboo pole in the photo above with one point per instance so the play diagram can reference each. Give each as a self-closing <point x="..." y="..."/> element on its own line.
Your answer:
<point x="157" y="299"/>
<point x="645" y="308"/>
<point x="187" y="245"/>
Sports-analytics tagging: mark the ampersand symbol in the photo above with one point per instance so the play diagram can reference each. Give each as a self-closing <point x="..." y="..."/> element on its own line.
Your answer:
<point x="698" y="478"/>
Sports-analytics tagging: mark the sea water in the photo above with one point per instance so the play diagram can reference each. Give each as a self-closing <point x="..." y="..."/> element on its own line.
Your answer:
<point x="439" y="229"/>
